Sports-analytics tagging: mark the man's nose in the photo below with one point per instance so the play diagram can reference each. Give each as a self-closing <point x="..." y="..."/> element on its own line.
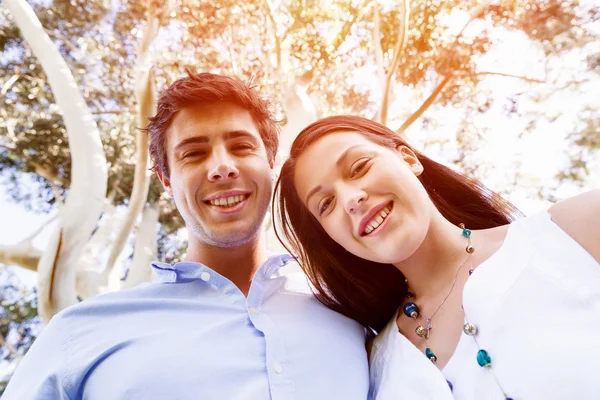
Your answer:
<point x="222" y="168"/>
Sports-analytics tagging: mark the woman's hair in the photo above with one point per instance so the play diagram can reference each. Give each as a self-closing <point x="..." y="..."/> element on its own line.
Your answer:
<point x="363" y="290"/>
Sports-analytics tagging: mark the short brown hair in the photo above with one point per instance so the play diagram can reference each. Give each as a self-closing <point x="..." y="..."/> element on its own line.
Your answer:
<point x="363" y="290"/>
<point x="208" y="88"/>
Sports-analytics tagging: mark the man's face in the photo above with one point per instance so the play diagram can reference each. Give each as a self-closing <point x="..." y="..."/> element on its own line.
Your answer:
<point x="220" y="176"/>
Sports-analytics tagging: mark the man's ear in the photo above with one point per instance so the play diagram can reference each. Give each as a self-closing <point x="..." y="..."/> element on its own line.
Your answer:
<point x="166" y="182"/>
<point x="411" y="159"/>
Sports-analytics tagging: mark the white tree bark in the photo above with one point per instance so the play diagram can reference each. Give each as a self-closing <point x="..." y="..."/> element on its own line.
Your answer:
<point x="300" y="112"/>
<point x="145" y="249"/>
<point x="146" y="98"/>
<point x="23" y="255"/>
<point x="90" y="279"/>
<point x="400" y="46"/>
<point x="83" y="206"/>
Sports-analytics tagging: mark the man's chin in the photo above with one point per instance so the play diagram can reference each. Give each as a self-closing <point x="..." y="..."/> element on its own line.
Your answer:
<point x="232" y="236"/>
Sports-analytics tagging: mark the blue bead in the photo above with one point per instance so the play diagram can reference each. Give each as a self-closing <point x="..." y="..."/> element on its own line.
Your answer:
<point x="509" y="398"/>
<point x="466" y="233"/>
<point x="471" y="272"/>
<point x="484" y="359"/>
<point x="450" y="384"/>
<point x="411" y="310"/>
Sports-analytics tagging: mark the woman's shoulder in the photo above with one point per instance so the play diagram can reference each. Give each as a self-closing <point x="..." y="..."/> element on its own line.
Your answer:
<point x="579" y="217"/>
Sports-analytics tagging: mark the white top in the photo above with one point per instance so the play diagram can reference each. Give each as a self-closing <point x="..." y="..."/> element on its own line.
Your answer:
<point x="536" y="303"/>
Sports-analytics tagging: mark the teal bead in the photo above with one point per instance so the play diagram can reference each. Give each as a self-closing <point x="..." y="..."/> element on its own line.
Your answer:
<point x="484" y="359"/>
<point x="466" y="233"/>
<point x="429" y="354"/>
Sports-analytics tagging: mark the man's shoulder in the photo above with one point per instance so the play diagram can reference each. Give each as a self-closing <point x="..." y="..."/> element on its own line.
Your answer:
<point x="104" y="304"/>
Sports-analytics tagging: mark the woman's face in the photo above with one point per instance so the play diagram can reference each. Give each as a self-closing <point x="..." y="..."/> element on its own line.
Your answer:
<point x="367" y="197"/>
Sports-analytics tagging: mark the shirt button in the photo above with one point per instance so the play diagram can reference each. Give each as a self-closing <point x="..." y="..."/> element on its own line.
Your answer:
<point x="278" y="368"/>
<point x="253" y="311"/>
<point x="205" y="276"/>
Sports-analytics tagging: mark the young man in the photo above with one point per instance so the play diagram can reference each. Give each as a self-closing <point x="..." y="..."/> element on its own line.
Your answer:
<point x="227" y="323"/>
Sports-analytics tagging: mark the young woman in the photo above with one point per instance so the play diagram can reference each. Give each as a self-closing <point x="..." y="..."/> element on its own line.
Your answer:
<point x="470" y="300"/>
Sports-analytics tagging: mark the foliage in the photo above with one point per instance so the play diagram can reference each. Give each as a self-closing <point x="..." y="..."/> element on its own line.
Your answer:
<point x="18" y="320"/>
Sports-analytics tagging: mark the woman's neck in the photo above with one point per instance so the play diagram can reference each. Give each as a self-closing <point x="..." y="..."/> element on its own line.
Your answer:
<point x="432" y="268"/>
<point x="430" y="271"/>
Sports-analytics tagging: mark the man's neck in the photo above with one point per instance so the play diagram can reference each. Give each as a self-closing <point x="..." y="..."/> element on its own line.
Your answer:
<point x="238" y="264"/>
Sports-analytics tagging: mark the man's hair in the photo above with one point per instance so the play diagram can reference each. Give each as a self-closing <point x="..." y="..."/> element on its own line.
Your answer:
<point x="207" y="88"/>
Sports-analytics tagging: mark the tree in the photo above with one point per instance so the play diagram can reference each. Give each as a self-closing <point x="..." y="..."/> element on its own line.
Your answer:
<point x="406" y="64"/>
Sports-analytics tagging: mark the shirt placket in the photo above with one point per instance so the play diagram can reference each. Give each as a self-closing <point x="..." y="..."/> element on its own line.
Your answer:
<point x="280" y="383"/>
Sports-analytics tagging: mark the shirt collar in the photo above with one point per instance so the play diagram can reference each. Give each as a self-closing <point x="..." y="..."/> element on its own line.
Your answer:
<point x="190" y="271"/>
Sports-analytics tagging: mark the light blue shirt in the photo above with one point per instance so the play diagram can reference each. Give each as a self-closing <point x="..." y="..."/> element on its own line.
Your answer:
<point x="191" y="334"/>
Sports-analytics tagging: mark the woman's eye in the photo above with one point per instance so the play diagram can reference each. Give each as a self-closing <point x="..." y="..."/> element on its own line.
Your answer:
<point x="325" y="205"/>
<point x="358" y="167"/>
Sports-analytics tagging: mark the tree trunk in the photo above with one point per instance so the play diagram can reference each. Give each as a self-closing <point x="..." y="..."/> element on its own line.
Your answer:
<point x="145" y="249"/>
<point x="146" y="99"/>
<point x="300" y="112"/>
<point x="78" y="216"/>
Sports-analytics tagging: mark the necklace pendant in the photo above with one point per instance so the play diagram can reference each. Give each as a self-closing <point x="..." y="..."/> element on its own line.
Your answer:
<point x="428" y="328"/>
<point x="424" y="331"/>
<point x="421" y="331"/>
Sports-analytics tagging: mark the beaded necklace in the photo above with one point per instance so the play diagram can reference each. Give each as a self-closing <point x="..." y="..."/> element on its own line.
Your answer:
<point x="411" y="310"/>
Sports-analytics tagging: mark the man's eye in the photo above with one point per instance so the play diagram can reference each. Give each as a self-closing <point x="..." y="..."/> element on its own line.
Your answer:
<point x="242" y="146"/>
<point x="359" y="167"/>
<point x="192" y="154"/>
<point x="325" y="205"/>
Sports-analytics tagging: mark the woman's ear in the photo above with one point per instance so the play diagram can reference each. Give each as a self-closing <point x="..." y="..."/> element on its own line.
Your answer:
<point x="410" y="158"/>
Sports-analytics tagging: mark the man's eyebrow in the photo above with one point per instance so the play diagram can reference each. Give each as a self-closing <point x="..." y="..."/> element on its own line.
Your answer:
<point x="339" y="162"/>
<point x="239" y="133"/>
<point x="192" y="140"/>
<point x="229" y="135"/>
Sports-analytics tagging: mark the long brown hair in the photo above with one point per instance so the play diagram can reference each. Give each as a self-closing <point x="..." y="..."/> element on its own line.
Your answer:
<point x="363" y="290"/>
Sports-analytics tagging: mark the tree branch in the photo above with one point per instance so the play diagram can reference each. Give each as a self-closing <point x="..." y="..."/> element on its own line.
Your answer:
<point x="340" y="37"/>
<point x="477" y="13"/>
<point x="7" y="85"/>
<point x="146" y="99"/>
<point x="270" y="13"/>
<point x="426" y="104"/>
<point x="39" y="230"/>
<point x="100" y="112"/>
<point x="523" y="78"/>
<point x="400" y="46"/>
<point x="23" y="255"/>
<point x="11" y="349"/>
<point x="60" y="36"/>
<point x="39" y="169"/>
<point x="377" y="46"/>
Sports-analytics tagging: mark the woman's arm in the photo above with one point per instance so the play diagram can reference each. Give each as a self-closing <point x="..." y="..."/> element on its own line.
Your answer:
<point x="579" y="217"/>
